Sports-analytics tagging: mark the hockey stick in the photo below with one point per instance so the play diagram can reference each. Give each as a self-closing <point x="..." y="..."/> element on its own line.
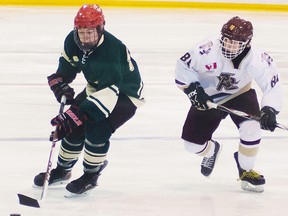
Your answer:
<point x="240" y="113"/>
<point x="29" y="201"/>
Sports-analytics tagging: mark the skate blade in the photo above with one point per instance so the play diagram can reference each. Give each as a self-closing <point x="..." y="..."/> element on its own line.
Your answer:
<point x="54" y="185"/>
<point x="70" y="195"/>
<point x="252" y="188"/>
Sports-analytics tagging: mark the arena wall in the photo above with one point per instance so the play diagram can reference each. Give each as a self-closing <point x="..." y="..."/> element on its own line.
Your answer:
<point x="254" y="5"/>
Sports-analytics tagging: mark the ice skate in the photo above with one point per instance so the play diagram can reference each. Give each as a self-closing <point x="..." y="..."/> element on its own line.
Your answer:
<point x="85" y="183"/>
<point x="58" y="176"/>
<point x="250" y="181"/>
<point x="208" y="164"/>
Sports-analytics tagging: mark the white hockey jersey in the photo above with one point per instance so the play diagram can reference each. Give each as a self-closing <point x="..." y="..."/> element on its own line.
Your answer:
<point x="219" y="77"/>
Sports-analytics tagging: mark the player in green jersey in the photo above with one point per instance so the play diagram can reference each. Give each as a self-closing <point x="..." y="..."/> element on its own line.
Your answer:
<point x="110" y="98"/>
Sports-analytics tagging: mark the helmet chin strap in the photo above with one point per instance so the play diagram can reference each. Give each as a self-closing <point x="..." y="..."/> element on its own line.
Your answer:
<point x="87" y="47"/>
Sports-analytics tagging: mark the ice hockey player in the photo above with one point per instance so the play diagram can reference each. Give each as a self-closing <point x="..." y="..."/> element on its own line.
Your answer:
<point x="110" y="98"/>
<point x="221" y="70"/>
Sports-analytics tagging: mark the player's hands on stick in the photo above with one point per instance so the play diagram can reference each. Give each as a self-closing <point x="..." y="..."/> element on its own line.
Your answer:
<point x="68" y="122"/>
<point x="268" y="118"/>
<point x="60" y="88"/>
<point x="197" y="96"/>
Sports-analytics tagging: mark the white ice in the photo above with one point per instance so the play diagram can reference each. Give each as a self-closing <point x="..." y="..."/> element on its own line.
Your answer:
<point x="149" y="172"/>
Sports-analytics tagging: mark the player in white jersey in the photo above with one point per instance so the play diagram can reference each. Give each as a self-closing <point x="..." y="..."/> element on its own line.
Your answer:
<point x="221" y="70"/>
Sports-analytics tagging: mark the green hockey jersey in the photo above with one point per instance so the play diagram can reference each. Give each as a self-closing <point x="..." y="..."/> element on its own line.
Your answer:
<point x="110" y="64"/>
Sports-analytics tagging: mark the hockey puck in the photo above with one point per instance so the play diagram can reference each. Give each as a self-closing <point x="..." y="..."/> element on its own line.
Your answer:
<point x="15" y="214"/>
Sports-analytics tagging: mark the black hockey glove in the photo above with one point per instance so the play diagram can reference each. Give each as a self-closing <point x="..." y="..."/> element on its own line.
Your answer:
<point x="197" y="96"/>
<point x="61" y="88"/>
<point x="67" y="122"/>
<point x="268" y="118"/>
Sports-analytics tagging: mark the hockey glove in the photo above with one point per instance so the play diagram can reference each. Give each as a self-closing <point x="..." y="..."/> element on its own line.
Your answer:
<point x="268" y="118"/>
<point x="60" y="88"/>
<point x="68" y="122"/>
<point x="197" y="96"/>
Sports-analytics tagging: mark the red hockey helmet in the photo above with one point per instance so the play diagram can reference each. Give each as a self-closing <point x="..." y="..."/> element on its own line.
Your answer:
<point x="89" y="19"/>
<point x="89" y="16"/>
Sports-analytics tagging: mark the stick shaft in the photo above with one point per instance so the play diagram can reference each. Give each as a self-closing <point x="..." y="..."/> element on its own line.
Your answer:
<point x="241" y="114"/>
<point x="29" y="201"/>
<point x="49" y="165"/>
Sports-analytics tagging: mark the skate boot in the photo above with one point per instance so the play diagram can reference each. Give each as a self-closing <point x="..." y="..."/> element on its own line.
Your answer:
<point x="250" y="180"/>
<point x="208" y="164"/>
<point x="85" y="183"/>
<point x="58" y="176"/>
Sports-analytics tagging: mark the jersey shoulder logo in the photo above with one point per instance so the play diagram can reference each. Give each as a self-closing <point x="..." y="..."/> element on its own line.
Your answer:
<point x="75" y="58"/>
<point x="206" y="48"/>
<point x="267" y="58"/>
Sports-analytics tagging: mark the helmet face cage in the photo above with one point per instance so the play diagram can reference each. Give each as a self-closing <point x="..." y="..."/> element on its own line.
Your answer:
<point x="236" y="34"/>
<point x="91" y="20"/>
<point x="87" y="39"/>
<point x="231" y="48"/>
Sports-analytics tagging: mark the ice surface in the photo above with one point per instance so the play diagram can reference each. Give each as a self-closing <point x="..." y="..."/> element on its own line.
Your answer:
<point x="149" y="172"/>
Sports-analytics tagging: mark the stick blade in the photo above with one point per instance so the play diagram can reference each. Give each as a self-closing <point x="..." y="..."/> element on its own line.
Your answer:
<point x="28" y="201"/>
